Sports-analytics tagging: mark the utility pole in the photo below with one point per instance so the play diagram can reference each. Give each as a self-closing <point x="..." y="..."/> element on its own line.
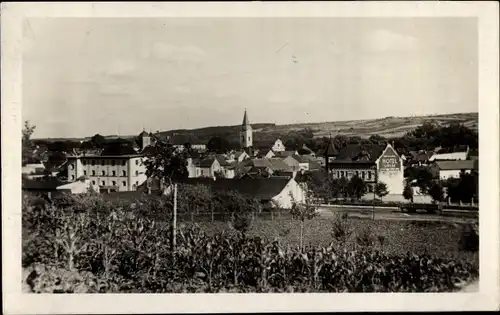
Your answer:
<point x="174" y="221"/>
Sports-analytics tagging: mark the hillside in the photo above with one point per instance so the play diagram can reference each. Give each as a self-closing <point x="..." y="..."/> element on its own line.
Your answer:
<point x="387" y="127"/>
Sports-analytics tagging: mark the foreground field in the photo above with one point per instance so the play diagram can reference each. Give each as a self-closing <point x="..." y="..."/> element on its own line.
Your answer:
<point x="392" y="237"/>
<point x="85" y="245"/>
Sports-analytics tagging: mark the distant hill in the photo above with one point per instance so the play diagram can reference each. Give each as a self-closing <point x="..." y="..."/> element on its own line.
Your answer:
<point x="387" y="127"/>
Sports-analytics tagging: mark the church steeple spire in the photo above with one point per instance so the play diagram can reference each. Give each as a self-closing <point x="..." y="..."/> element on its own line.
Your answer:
<point x="245" y="119"/>
<point x="246" y="137"/>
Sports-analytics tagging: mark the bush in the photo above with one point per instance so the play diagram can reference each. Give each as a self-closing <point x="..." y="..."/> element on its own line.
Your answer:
<point x="469" y="238"/>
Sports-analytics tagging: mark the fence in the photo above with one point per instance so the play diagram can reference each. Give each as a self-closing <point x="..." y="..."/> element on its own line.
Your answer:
<point x="224" y="216"/>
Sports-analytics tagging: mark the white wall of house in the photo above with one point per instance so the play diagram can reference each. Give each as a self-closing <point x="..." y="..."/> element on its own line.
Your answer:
<point x="390" y="170"/>
<point x="284" y="200"/>
<point x="278" y="146"/>
<point x="445" y="174"/>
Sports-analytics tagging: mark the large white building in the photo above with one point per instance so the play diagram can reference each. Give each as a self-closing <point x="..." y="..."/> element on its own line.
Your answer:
<point x="114" y="170"/>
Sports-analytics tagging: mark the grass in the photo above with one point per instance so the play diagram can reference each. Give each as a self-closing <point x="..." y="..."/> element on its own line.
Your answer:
<point x="439" y="239"/>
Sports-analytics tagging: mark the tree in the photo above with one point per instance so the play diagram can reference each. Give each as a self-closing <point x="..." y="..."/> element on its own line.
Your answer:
<point x="302" y="211"/>
<point x="381" y="190"/>
<point x="408" y="192"/>
<point x="436" y="192"/>
<point x="26" y="142"/>
<point x="166" y="163"/>
<point x="356" y="187"/>
<point x="218" y="145"/>
<point x="98" y="141"/>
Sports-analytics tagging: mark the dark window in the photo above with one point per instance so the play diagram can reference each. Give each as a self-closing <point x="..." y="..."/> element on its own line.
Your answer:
<point x="136" y="173"/>
<point x="103" y="173"/>
<point x="124" y="184"/>
<point x="136" y="162"/>
<point x="72" y="177"/>
<point x="93" y="182"/>
<point x="114" y="173"/>
<point x="85" y="173"/>
<point x="114" y="183"/>
<point x="103" y="183"/>
<point x="93" y="173"/>
<point x="369" y="175"/>
<point x="124" y="162"/>
<point x="363" y="174"/>
<point x="92" y="163"/>
<point x="102" y="162"/>
<point x="113" y="162"/>
<point x="124" y="173"/>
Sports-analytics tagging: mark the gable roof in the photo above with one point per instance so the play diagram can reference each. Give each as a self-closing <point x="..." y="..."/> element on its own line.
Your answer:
<point x="259" y="188"/>
<point x="118" y="148"/>
<point x="284" y="153"/>
<point x="360" y="153"/>
<point x="222" y="160"/>
<point x="330" y="150"/>
<point x="208" y="162"/>
<point x="279" y="165"/>
<point x="457" y="165"/>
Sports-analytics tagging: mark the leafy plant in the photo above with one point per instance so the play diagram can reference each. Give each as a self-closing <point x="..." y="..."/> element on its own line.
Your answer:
<point x="381" y="190"/>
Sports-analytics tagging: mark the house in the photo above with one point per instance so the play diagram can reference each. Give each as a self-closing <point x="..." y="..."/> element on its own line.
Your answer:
<point x="280" y="154"/>
<point x="33" y="169"/>
<point x="278" y="190"/>
<point x="279" y="165"/>
<point x="207" y="167"/>
<point x="292" y="163"/>
<point x="303" y="162"/>
<point x="117" y="167"/>
<point x="458" y="153"/>
<point x="278" y="146"/>
<point x="239" y="156"/>
<point x="452" y="169"/>
<point x="81" y="186"/>
<point x="372" y="163"/>
<point x="420" y="158"/>
<point x="227" y="167"/>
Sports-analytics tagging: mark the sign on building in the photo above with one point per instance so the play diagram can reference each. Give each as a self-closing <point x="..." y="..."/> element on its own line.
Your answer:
<point x="389" y="161"/>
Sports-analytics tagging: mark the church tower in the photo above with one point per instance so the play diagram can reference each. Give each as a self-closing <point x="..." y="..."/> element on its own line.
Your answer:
<point x="246" y="137"/>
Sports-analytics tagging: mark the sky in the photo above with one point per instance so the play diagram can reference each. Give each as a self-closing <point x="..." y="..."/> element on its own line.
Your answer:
<point x="83" y="76"/>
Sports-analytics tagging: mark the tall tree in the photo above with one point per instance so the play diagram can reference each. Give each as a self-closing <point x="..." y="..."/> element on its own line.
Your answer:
<point x="356" y="187"/>
<point x="408" y="192"/>
<point x="166" y="163"/>
<point x="98" y="141"/>
<point x="381" y="190"/>
<point x="27" y="144"/>
<point x="436" y="192"/>
<point x="218" y="145"/>
<point x="302" y="211"/>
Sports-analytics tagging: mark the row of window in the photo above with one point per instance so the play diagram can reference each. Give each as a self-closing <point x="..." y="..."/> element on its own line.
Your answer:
<point x="113" y="183"/>
<point x="112" y="162"/>
<point x="113" y="173"/>
<point x="364" y="175"/>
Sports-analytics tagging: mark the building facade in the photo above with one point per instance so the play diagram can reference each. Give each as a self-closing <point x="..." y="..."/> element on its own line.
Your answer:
<point x="113" y="172"/>
<point x="373" y="164"/>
